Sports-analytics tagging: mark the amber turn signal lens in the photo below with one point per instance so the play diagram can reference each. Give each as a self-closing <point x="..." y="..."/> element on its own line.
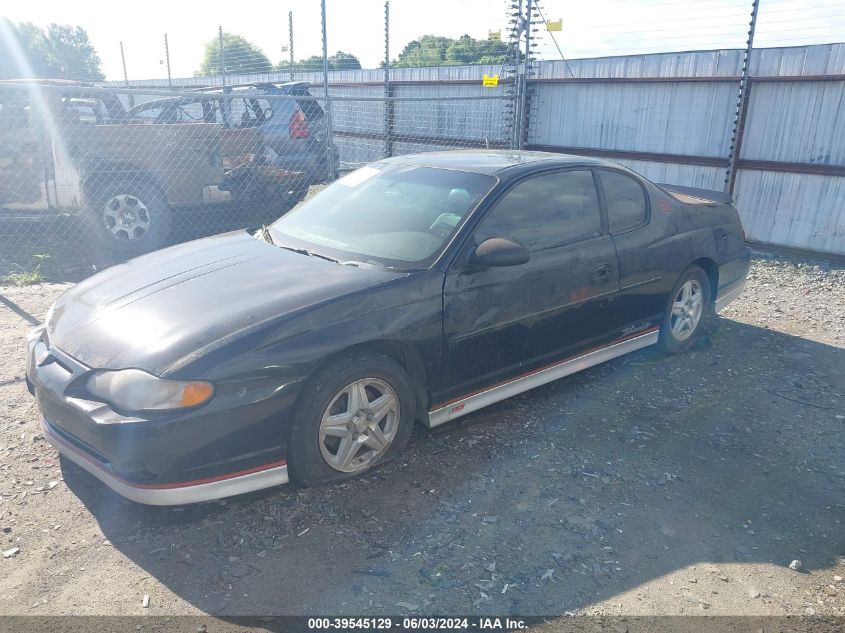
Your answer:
<point x="196" y="393"/>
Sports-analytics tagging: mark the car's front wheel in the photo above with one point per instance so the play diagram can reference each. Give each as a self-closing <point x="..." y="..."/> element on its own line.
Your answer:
<point x="353" y="415"/>
<point x="687" y="311"/>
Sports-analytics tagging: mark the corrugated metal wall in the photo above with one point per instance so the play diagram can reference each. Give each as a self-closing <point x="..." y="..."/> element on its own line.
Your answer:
<point x="669" y="116"/>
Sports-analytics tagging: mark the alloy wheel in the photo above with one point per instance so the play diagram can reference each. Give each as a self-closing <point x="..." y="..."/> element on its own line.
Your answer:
<point x="127" y="217"/>
<point x="359" y="425"/>
<point x="687" y="309"/>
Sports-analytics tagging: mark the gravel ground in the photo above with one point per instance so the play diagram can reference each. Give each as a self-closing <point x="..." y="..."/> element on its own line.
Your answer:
<point x="648" y="485"/>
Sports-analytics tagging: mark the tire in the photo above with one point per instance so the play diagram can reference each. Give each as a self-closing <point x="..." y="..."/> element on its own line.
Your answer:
<point x="316" y="453"/>
<point x="683" y="325"/>
<point x="129" y="218"/>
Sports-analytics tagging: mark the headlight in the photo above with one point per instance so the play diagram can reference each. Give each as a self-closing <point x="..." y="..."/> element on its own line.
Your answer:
<point x="136" y="390"/>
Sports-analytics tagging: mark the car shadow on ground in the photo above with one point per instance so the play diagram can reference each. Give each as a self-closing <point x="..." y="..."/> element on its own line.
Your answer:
<point x="551" y="501"/>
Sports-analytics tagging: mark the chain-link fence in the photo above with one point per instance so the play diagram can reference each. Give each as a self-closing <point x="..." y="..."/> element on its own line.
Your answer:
<point x="92" y="175"/>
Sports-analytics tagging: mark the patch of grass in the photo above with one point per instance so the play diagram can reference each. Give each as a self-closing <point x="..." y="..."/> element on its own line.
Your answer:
<point x="31" y="276"/>
<point x="26" y="277"/>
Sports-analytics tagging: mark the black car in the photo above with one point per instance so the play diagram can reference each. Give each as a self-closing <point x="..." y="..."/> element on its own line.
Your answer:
<point x="417" y="288"/>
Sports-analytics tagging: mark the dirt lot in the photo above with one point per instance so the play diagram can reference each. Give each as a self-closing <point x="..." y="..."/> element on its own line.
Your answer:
<point x="648" y="485"/>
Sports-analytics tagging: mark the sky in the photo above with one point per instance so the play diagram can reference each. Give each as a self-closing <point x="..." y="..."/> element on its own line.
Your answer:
<point x="590" y="28"/>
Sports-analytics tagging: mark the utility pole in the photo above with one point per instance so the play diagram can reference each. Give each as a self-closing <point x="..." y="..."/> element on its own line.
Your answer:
<point x="290" y="41"/>
<point x="167" y="59"/>
<point x="523" y="98"/>
<point x="741" y="103"/>
<point x="329" y="140"/>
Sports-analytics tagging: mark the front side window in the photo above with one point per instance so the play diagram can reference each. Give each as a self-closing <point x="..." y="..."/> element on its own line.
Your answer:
<point x="546" y="211"/>
<point x="625" y="200"/>
<point x="400" y="216"/>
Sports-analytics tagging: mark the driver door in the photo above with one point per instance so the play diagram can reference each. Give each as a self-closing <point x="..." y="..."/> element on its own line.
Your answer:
<point x="500" y="322"/>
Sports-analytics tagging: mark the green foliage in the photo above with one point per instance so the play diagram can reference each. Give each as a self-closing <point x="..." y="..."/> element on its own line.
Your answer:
<point x="344" y="61"/>
<point x="434" y="50"/>
<point x="59" y="52"/>
<point x="240" y="56"/>
<point x="338" y="61"/>
<point x="29" y="276"/>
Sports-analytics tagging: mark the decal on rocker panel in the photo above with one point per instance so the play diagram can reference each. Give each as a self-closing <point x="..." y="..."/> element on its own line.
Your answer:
<point x="457" y="408"/>
<point x="636" y="327"/>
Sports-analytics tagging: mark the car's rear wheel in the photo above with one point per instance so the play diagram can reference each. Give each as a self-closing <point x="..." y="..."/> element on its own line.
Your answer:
<point x="129" y="218"/>
<point x="688" y="310"/>
<point x="354" y="415"/>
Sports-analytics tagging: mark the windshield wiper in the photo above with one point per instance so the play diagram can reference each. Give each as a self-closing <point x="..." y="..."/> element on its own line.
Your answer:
<point x="303" y="251"/>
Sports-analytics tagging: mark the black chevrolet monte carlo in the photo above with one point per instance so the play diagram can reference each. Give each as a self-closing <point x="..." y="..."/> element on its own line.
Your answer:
<point x="417" y="288"/>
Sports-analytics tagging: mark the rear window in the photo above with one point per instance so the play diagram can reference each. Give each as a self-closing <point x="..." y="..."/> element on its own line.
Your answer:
<point x="310" y="107"/>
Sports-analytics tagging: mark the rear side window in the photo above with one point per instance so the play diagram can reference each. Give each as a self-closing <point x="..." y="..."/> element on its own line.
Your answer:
<point x="546" y="211"/>
<point x="626" y="202"/>
<point x="14" y="112"/>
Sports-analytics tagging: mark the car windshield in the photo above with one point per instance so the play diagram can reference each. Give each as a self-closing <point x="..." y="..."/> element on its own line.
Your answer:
<point x="400" y="216"/>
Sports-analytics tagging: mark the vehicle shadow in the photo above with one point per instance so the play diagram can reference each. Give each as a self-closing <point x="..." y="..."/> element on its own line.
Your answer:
<point x="552" y="501"/>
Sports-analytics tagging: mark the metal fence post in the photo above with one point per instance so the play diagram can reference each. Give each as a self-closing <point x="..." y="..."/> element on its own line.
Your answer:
<point x="741" y="104"/>
<point x="167" y="59"/>
<point x="389" y="106"/>
<point x="222" y="55"/>
<point x="523" y="99"/>
<point x="290" y="41"/>
<point x="329" y="131"/>
<point x="125" y="75"/>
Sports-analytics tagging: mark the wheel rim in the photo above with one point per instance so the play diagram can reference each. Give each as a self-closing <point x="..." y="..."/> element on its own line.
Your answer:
<point x="687" y="309"/>
<point x="126" y="217"/>
<point x="359" y="425"/>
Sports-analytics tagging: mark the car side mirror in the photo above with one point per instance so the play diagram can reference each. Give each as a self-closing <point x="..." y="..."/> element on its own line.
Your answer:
<point x="497" y="252"/>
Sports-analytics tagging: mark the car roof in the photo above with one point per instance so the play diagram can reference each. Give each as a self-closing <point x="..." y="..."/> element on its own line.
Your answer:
<point x="491" y="162"/>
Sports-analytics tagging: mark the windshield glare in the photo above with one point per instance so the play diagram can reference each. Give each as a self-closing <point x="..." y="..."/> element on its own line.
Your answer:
<point x="396" y="215"/>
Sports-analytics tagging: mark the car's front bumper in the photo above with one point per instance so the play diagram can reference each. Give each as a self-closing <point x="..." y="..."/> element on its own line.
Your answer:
<point x="172" y="459"/>
<point x="169" y="494"/>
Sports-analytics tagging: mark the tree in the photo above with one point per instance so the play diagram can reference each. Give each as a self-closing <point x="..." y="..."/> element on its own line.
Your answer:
<point x="344" y="61"/>
<point x="60" y="52"/>
<point x="240" y="56"/>
<point x="434" y="50"/>
<point x="338" y="61"/>
<point x="70" y="53"/>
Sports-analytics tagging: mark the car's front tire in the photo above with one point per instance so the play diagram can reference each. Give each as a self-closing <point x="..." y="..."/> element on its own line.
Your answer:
<point x="687" y="311"/>
<point x="354" y="415"/>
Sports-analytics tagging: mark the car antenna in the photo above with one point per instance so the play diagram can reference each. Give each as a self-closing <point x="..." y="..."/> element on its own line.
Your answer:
<point x="265" y="235"/>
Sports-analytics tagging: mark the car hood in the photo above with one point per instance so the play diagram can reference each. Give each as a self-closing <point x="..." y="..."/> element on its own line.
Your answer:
<point x="157" y="309"/>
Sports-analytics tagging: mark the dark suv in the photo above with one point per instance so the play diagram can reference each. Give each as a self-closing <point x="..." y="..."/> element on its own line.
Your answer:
<point x="269" y="145"/>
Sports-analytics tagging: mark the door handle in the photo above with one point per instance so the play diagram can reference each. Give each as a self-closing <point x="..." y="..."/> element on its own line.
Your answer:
<point x="602" y="271"/>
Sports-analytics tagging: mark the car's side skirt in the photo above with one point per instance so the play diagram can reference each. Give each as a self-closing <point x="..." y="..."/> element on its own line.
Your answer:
<point x="480" y="399"/>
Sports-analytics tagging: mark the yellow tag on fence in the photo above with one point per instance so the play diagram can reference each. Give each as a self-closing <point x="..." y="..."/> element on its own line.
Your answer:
<point x="490" y="82"/>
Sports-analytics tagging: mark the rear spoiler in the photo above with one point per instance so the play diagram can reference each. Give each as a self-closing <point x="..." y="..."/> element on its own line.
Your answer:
<point x="704" y="194"/>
